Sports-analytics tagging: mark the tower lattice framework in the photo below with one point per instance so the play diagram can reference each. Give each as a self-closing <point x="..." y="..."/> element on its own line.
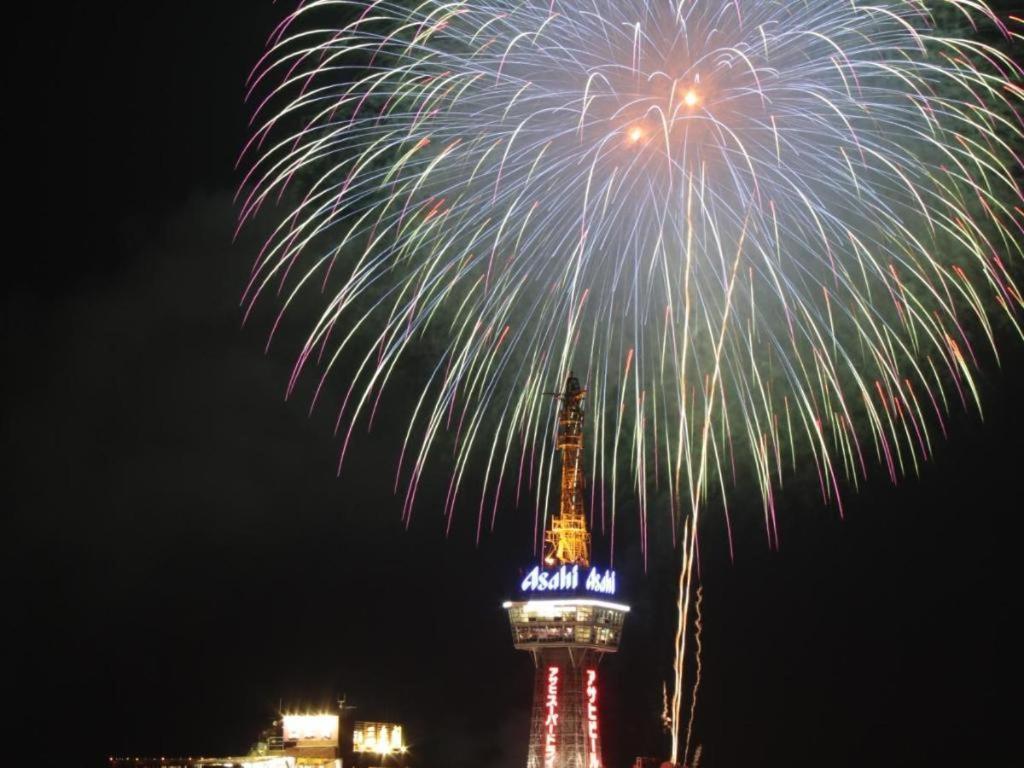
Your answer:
<point x="567" y="541"/>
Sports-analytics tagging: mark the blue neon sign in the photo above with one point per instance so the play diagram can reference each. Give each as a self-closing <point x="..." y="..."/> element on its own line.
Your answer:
<point x="569" y="579"/>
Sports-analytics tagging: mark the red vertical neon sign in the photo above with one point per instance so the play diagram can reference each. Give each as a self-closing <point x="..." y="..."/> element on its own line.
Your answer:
<point x="595" y="754"/>
<point x="551" y="723"/>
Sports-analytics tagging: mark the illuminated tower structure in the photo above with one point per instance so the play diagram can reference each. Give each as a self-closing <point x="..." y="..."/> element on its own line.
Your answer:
<point x="566" y="615"/>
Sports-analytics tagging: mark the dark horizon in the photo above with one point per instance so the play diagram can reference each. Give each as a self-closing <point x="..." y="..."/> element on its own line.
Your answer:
<point x="183" y="557"/>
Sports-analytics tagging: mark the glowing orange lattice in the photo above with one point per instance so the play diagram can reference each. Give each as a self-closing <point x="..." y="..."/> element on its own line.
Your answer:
<point x="568" y="540"/>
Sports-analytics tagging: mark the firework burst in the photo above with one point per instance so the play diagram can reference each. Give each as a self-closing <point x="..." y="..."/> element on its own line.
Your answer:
<point x="763" y="232"/>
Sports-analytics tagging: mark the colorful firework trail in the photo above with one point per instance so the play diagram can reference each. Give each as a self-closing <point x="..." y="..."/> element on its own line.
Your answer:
<point x="762" y="232"/>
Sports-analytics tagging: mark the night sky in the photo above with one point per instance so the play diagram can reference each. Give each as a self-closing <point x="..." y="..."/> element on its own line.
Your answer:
<point x="183" y="559"/>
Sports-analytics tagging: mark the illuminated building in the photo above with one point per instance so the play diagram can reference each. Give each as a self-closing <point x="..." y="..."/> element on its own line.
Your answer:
<point x="339" y="740"/>
<point x="322" y="739"/>
<point x="567" y="616"/>
<point x="377" y="739"/>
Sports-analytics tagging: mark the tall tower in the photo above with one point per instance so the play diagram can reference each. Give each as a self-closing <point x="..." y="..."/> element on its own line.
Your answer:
<point x="566" y="616"/>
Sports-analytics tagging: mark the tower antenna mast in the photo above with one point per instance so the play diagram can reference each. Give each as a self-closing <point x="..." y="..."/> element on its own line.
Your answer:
<point x="567" y="541"/>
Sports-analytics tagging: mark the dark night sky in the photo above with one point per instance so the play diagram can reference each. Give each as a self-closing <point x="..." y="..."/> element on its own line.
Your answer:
<point x="182" y="557"/>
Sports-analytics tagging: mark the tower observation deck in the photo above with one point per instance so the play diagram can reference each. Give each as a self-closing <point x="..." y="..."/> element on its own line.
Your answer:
<point x="566" y="615"/>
